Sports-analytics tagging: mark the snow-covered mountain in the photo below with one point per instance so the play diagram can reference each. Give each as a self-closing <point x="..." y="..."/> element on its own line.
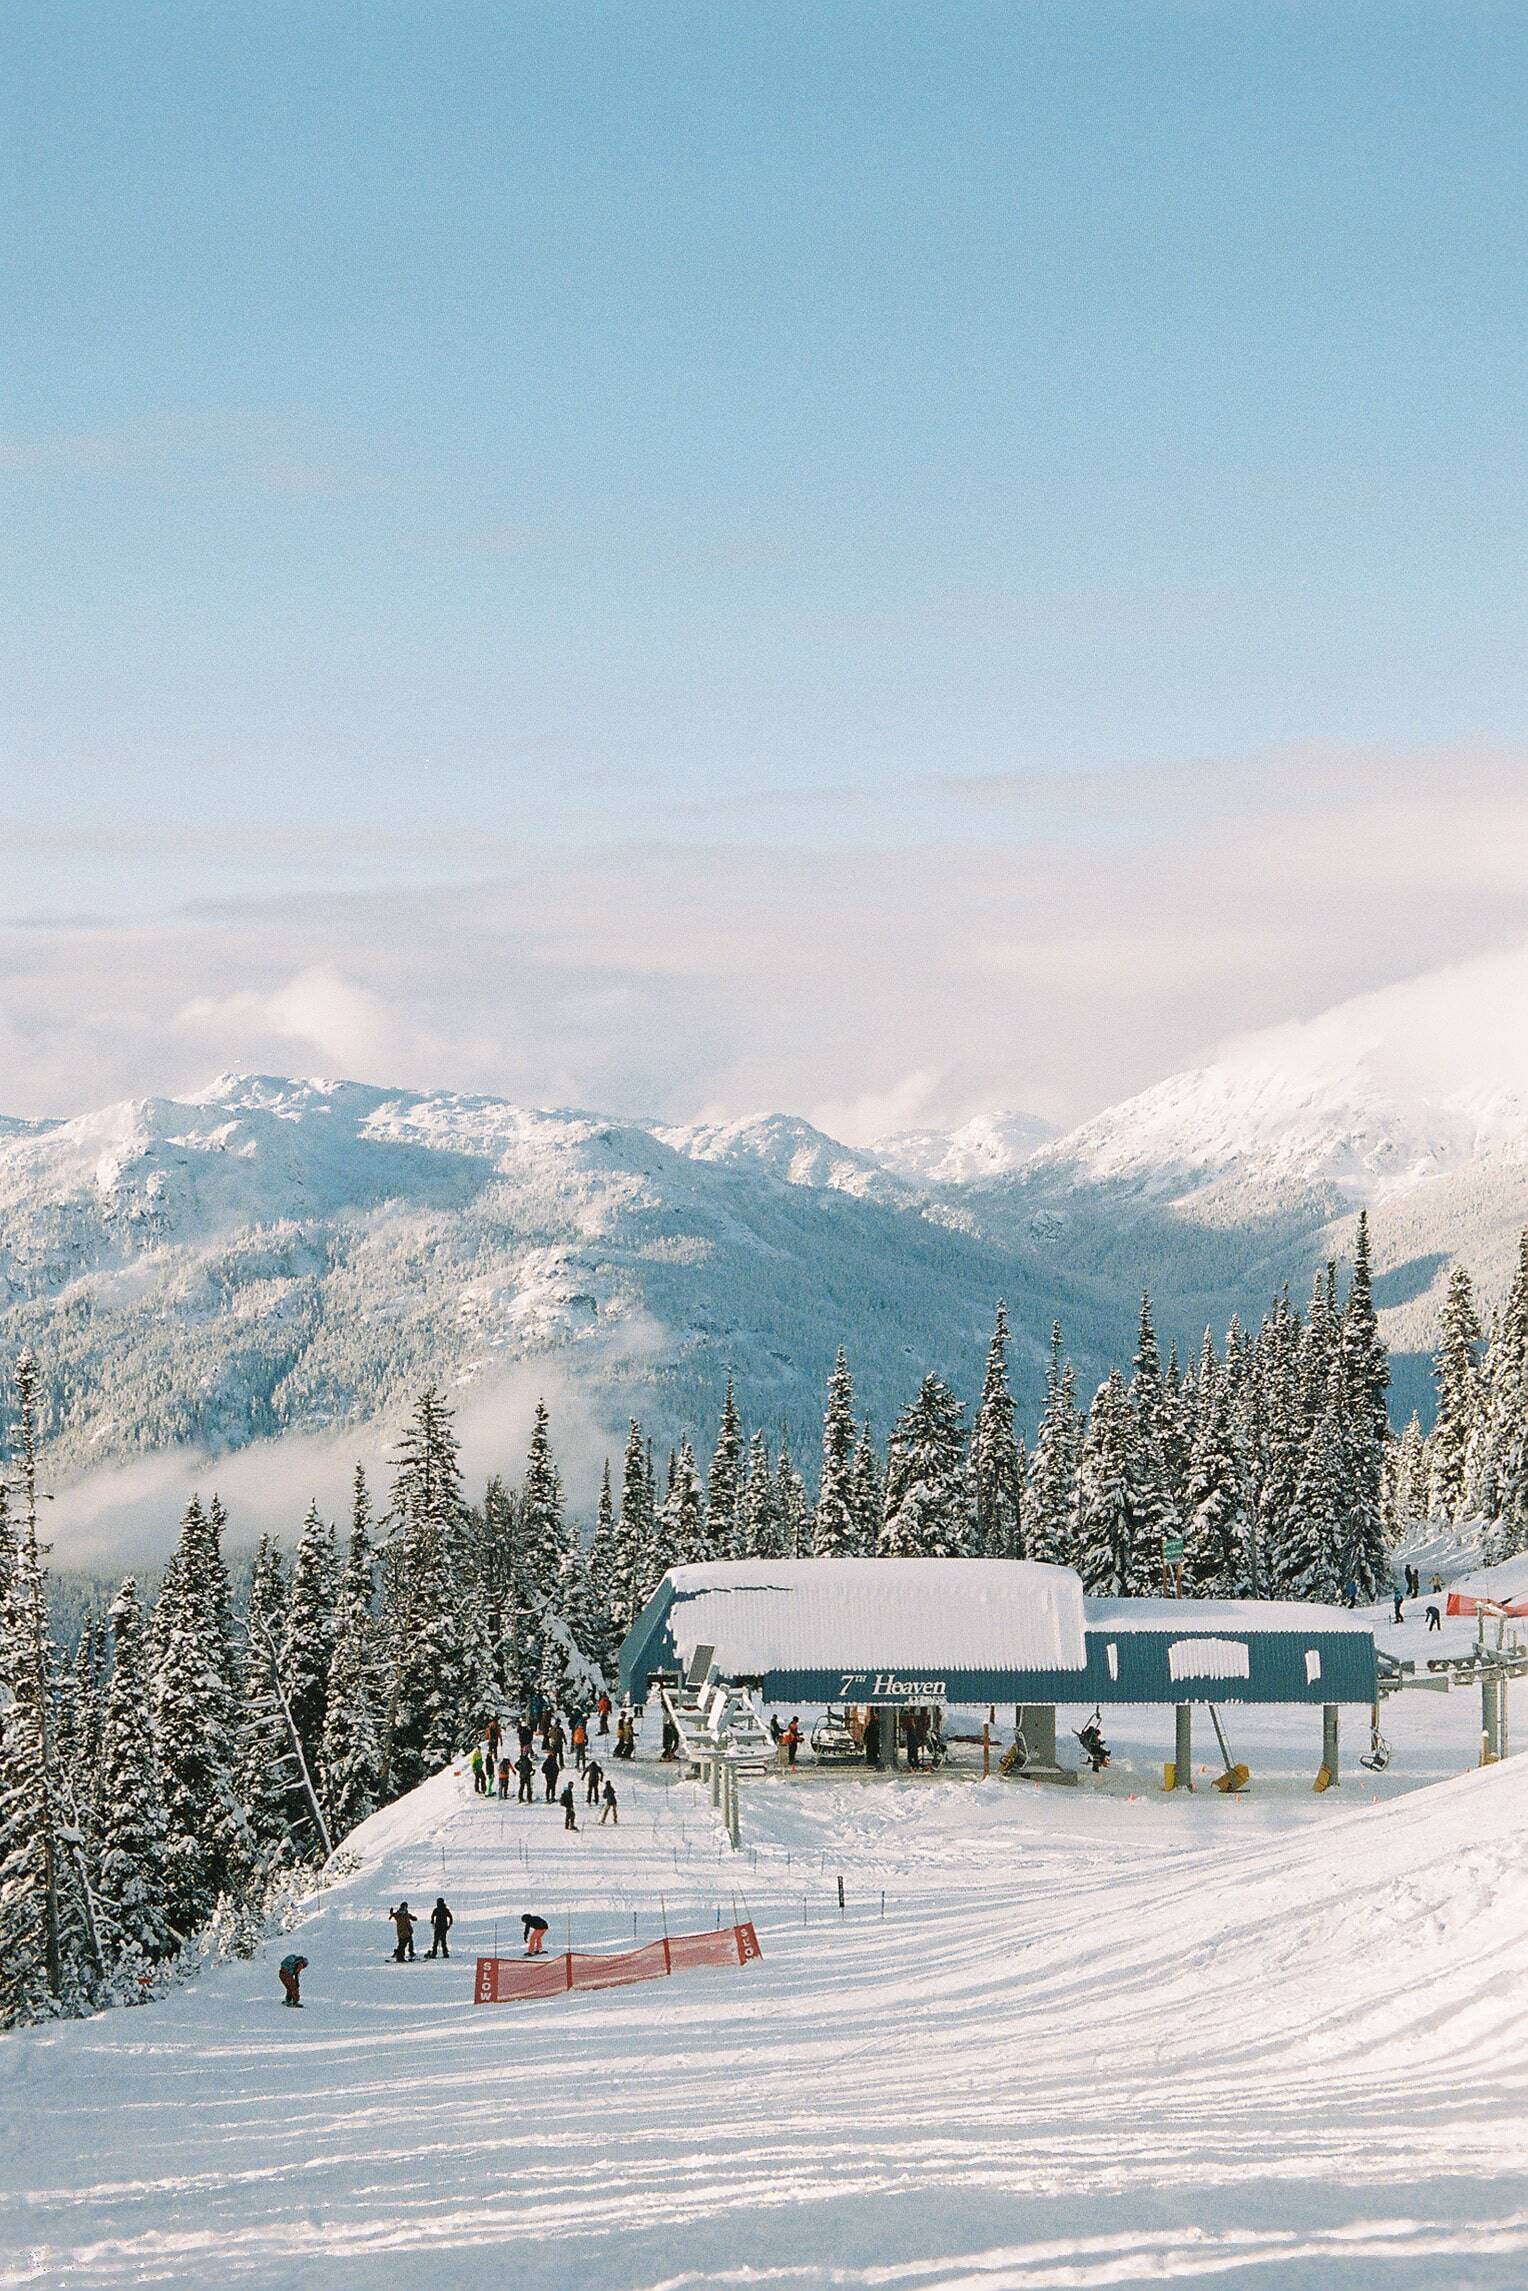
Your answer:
<point x="271" y="1255"/>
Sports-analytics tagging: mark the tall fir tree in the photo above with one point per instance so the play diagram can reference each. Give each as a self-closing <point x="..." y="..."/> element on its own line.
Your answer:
<point x="928" y="1502"/>
<point x="130" y="1857"/>
<point x="793" y="1514"/>
<point x="1215" y="1538"/>
<point x="869" y="1489"/>
<point x="308" y="1640"/>
<point x="1153" y="1504"/>
<point x="758" y="1518"/>
<point x="1314" y="1550"/>
<point x="1456" y="1375"/>
<point x="1366" y="1380"/>
<point x="263" y="1773"/>
<point x="633" y="1579"/>
<point x="194" y="1726"/>
<point x="724" y="1482"/>
<point x="1051" y="1508"/>
<point x="997" y="1484"/>
<point x="349" y="1752"/>
<point x="836" y="1533"/>
<point x="1118" y="1548"/>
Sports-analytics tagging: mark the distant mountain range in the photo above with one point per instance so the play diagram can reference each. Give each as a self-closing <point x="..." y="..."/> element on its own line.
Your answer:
<point x="271" y="1255"/>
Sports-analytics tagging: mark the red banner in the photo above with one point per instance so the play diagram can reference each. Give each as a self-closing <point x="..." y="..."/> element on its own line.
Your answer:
<point x="500" y="1980"/>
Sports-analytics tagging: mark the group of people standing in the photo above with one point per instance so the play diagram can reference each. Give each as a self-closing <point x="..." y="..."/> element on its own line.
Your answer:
<point x="562" y="1743"/>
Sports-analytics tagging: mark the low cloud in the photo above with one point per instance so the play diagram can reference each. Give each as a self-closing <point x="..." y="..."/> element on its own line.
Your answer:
<point x="1036" y="965"/>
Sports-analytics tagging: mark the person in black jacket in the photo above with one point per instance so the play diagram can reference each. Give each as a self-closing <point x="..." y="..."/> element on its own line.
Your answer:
<point x="441" y="1922"/>
<point x="569" y="1817"/>
<point x="525" y="1767"/>
<point x="551" y="1767"/>
<point x="534" y="1928"/>
<point x="594" y="1774"/>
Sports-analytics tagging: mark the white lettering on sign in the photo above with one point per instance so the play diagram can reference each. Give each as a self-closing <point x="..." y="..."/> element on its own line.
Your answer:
<point x="880" y="1686"/>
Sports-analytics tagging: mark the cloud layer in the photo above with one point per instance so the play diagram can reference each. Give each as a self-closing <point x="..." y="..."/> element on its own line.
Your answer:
<point x="1049" y="961"/>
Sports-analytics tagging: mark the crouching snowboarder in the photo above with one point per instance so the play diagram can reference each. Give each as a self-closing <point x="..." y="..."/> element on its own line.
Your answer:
<point x="535" y="1933"/>
<point x="292" y="1970"/>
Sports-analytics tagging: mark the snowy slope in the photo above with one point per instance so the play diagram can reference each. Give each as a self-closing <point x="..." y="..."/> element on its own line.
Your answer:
<point x="1097" y="2039"/>
<point x="989" y="1145"/>
<point x="274" y="1255"/>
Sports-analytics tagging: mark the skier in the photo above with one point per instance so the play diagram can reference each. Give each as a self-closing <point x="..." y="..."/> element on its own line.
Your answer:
<point x="525" y="1767"/>
<point x="565" y="1800"/>
<point x="504" y="1777"/>
<point x="478" y="1783"/>
<point x="441" y="1922"/>
<point x="404" y="1925"/>
<point x="580" y="1744"/>
<point x="1434" y="1619"/>
<point x="1094" y="1746"/>
<point x="604" y="1711"/>
<point x="594" y="1774"/>
<point x="609" y="1810"/>
<point x="292" y="1970"/>
<point x="535" y="1933"/>
<point x="551" y="1767"/>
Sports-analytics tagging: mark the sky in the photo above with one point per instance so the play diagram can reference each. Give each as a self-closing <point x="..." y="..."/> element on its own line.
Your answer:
<point x="876" y="559"/>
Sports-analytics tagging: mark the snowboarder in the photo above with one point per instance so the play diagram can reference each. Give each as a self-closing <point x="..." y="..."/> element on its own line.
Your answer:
<point x="594" y="1774"/>
<point x="551" y="1767"/>
<point x="441" y="1922"/>
<point x="609" y="1809"/>
<point x="292" y="1970"/>
<point x="403" y="1924"/>
<point x="1434" y="1619"/>
<point x="565" y="1800"/>
<point x="535" y="1933"/>
<point x="478" y="1784"/>
<point x="525" y="1767"/>
<point x="604" y="1711"/>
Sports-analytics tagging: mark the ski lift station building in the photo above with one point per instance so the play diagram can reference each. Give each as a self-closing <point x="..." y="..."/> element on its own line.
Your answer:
<point x="985" y="1631"/>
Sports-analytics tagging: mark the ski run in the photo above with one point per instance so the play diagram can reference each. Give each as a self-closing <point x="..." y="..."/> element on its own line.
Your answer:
<point x="1096" y="2037"/>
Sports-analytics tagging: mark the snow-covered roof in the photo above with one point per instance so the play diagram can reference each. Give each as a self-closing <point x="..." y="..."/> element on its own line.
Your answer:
<point x="1219" y="1615"/>
<point x="765" y="1615"/>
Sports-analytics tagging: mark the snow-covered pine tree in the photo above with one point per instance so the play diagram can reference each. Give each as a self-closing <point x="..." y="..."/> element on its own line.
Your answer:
<point x="1409" y="1478"/>
<point x="349" y="1755"/>
<point x="1051" y="1508"/>
<point x="1118" y="1555"/>
<point x="433" y="1637"/>
<point x="681" y="1516"/>
<point x="792" y="1511"/>
<point x="602" y="1561"/>
<point x="1318" y="1536"/>
<point x="1215" y="1530"/>
<point x="194" y="1726"/>
<point x="130" y="1858"/>
<point x="724" y="1483"/>
<point x="45" y="1966"/>
<point x="1153" y="1505"/>
<point x="836" y="1534"/>
<point x="1366" y="1380"/>
<point x="307" y="1642"/>
<point x="869" y="1489"/>
<point x="996" y="1481"/>
<point x="633" y="1576"/>
<point x="264" y="1776"/>
<point x="758" y="1523"/>
<point x="1456" y="1374"/>
<point x="1279" y="1444"/>
<point x="928" y="1500"/>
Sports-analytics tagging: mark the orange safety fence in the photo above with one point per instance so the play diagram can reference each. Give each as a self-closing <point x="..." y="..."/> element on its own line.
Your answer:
<point x="500" y="1980"/>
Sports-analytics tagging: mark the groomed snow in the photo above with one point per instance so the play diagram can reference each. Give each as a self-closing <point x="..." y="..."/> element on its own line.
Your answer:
<point x="1101" y="2038"/>
<point x="1238" y="1615"/>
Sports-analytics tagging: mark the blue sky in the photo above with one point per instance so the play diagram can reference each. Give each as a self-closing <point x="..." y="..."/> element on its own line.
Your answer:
<point x="434" y="437"/>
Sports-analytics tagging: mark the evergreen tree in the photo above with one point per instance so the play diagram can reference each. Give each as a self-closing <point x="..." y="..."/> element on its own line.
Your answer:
<point x="1280" y="1439"/>
<point x="307" y="1644"/>
<point x="927" y="1502"/>
<point x="1409" y="1479"/>
<point x="724" y="1484"/>
<point x="1319" y="1535"/>
<point x="1366" y="1427"/>
<point x="130" y="1862"/>
<point x="793" y="1514"/>
<point x="349" y="1753"/>
<point x="1215" y="1534"/>
<point x="758" y="1523"/>
<point x="1153" y="1506"/>
<point x="836" y="1534"/>
<point x="1051" y="1509"/>
<point x="681" y="1516"/>
<point x="1118" y="1551"/>
<point x="996" y="1481"/>
<point x="1456" y="1373"/>
<point x="194" y="1724"/>
<point x="436" y="1647"/>
<point x="602" y="1564"/>
<point x="869" y="1489"/>
<point x="633" y="1575"/>
<point x="264" y="1775"/>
